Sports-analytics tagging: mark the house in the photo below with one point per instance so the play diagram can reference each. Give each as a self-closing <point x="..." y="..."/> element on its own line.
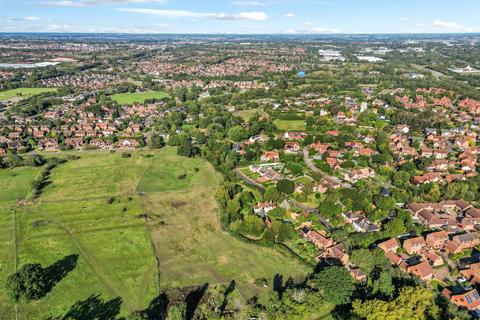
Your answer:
<point x="75" y="143"/>
<point x="320" y="148"/>
<point x="355" y="175"/>
<point x="437" y="240"/>
<point x="128" y="143"/>
<point x="394" y="258"/>
<point x="333" y="163"/>
<point x="317" y="238"/>
<point x="414" y="245"/>
<point x="262" y="208"/>
<point x="432" y="257"/>
<point x="291" y="147"/>
<point x="336" y="252"/>
<point x="466" y="240"/>
<point x="428" y="178"/>
<point x="462" y="297"/>
<point x="358" y="274"/>
<point x="47" y="145"/>
<point x="294" y="135"/>
<point x="390" y="245"/>
<point x="364" y="225"/>
<point x="472" y="273"/>
<point x="270" y="156"/>
<point x="423" y="270"/>
<point x="2" y="152"/>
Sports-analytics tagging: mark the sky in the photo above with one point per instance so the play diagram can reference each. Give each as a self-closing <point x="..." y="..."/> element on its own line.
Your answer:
<point x="241" y="16"/>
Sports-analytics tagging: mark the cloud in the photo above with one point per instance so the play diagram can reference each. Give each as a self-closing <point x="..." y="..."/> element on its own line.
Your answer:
<point x="404" y="19"/>
<point x="290" y="15"/>
<point x="254" y="15"/>
<point x="446" y="26"/>
<point x="83" y="3"/>
<point x="31" y="18"/>
<point x="247" y="3"/>
<point x="312" y="29"/>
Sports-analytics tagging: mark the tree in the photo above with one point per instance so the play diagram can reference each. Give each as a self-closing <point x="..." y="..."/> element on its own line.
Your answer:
<point x="412" y="303"/>
<point x="156" y="141"/>
<point x="286" y="186"/>
<point x="368" y="260"/>
<point x="272" y="194"/>
<point x="28" y="283"/>
<point x="177" y="312"/>
<point x="336" y="284"/>
<point x="185" y="148"/>
<point x="383" y="285"/>
<point x="329" y="208"/>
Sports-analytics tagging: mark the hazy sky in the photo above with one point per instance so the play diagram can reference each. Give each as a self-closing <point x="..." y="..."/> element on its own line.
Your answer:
<point x="249" y="16"/>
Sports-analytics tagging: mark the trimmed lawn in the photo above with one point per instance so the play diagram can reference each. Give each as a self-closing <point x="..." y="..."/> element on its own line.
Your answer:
<point x="290" y="125"/>
<point x="23" y="93"/>
<point x="130" y="98"/>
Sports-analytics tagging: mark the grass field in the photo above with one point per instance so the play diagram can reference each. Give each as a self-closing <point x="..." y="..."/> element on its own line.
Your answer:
<point x="130" y="98"/>
<point x="290" y="125"/>
<point x="119" y="215"/>
<point x="248" y="113"/>
<point x="23" y="93"/>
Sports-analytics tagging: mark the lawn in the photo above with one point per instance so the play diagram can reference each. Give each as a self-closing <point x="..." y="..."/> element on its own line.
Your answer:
<point x="248" y="113"/>
<point x="118" y="218"/>
<point x="23" y="93"/>
<point x="290" y="125"/>
<point x="140" y="97"/>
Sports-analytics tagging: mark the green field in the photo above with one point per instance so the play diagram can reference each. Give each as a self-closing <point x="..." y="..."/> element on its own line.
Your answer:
<point x="290" y="125"/>
<point x="23" y="93"/>
<point x="123" y="217"/>
<point x="248" y="113"/>
<point x="140" y="97"/>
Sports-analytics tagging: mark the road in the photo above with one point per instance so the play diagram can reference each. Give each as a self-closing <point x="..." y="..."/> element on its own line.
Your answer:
<point x="330" y="179"/>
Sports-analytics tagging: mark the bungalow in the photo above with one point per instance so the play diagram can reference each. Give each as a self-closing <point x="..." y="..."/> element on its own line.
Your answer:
<point x="358" y="274"/>
<point x="333" y="163"/>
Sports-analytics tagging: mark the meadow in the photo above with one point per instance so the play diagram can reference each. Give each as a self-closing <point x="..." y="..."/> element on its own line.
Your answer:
<point x="290" y="125"/>
<point x="20" y="93"/>
<point x="132" y="225"/>
<point x="247" y="114"/>
<point x="140" y="97"/>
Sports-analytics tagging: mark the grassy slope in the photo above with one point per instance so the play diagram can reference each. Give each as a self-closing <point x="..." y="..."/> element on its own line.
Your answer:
<point x="25" y="92"/>
<point x="130" y="98"/>
<point x="73" y="216"/>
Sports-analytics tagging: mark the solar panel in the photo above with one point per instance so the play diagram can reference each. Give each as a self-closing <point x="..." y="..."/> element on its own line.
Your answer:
<point x="469" y="300"/>
<point x="475" y="295"/>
